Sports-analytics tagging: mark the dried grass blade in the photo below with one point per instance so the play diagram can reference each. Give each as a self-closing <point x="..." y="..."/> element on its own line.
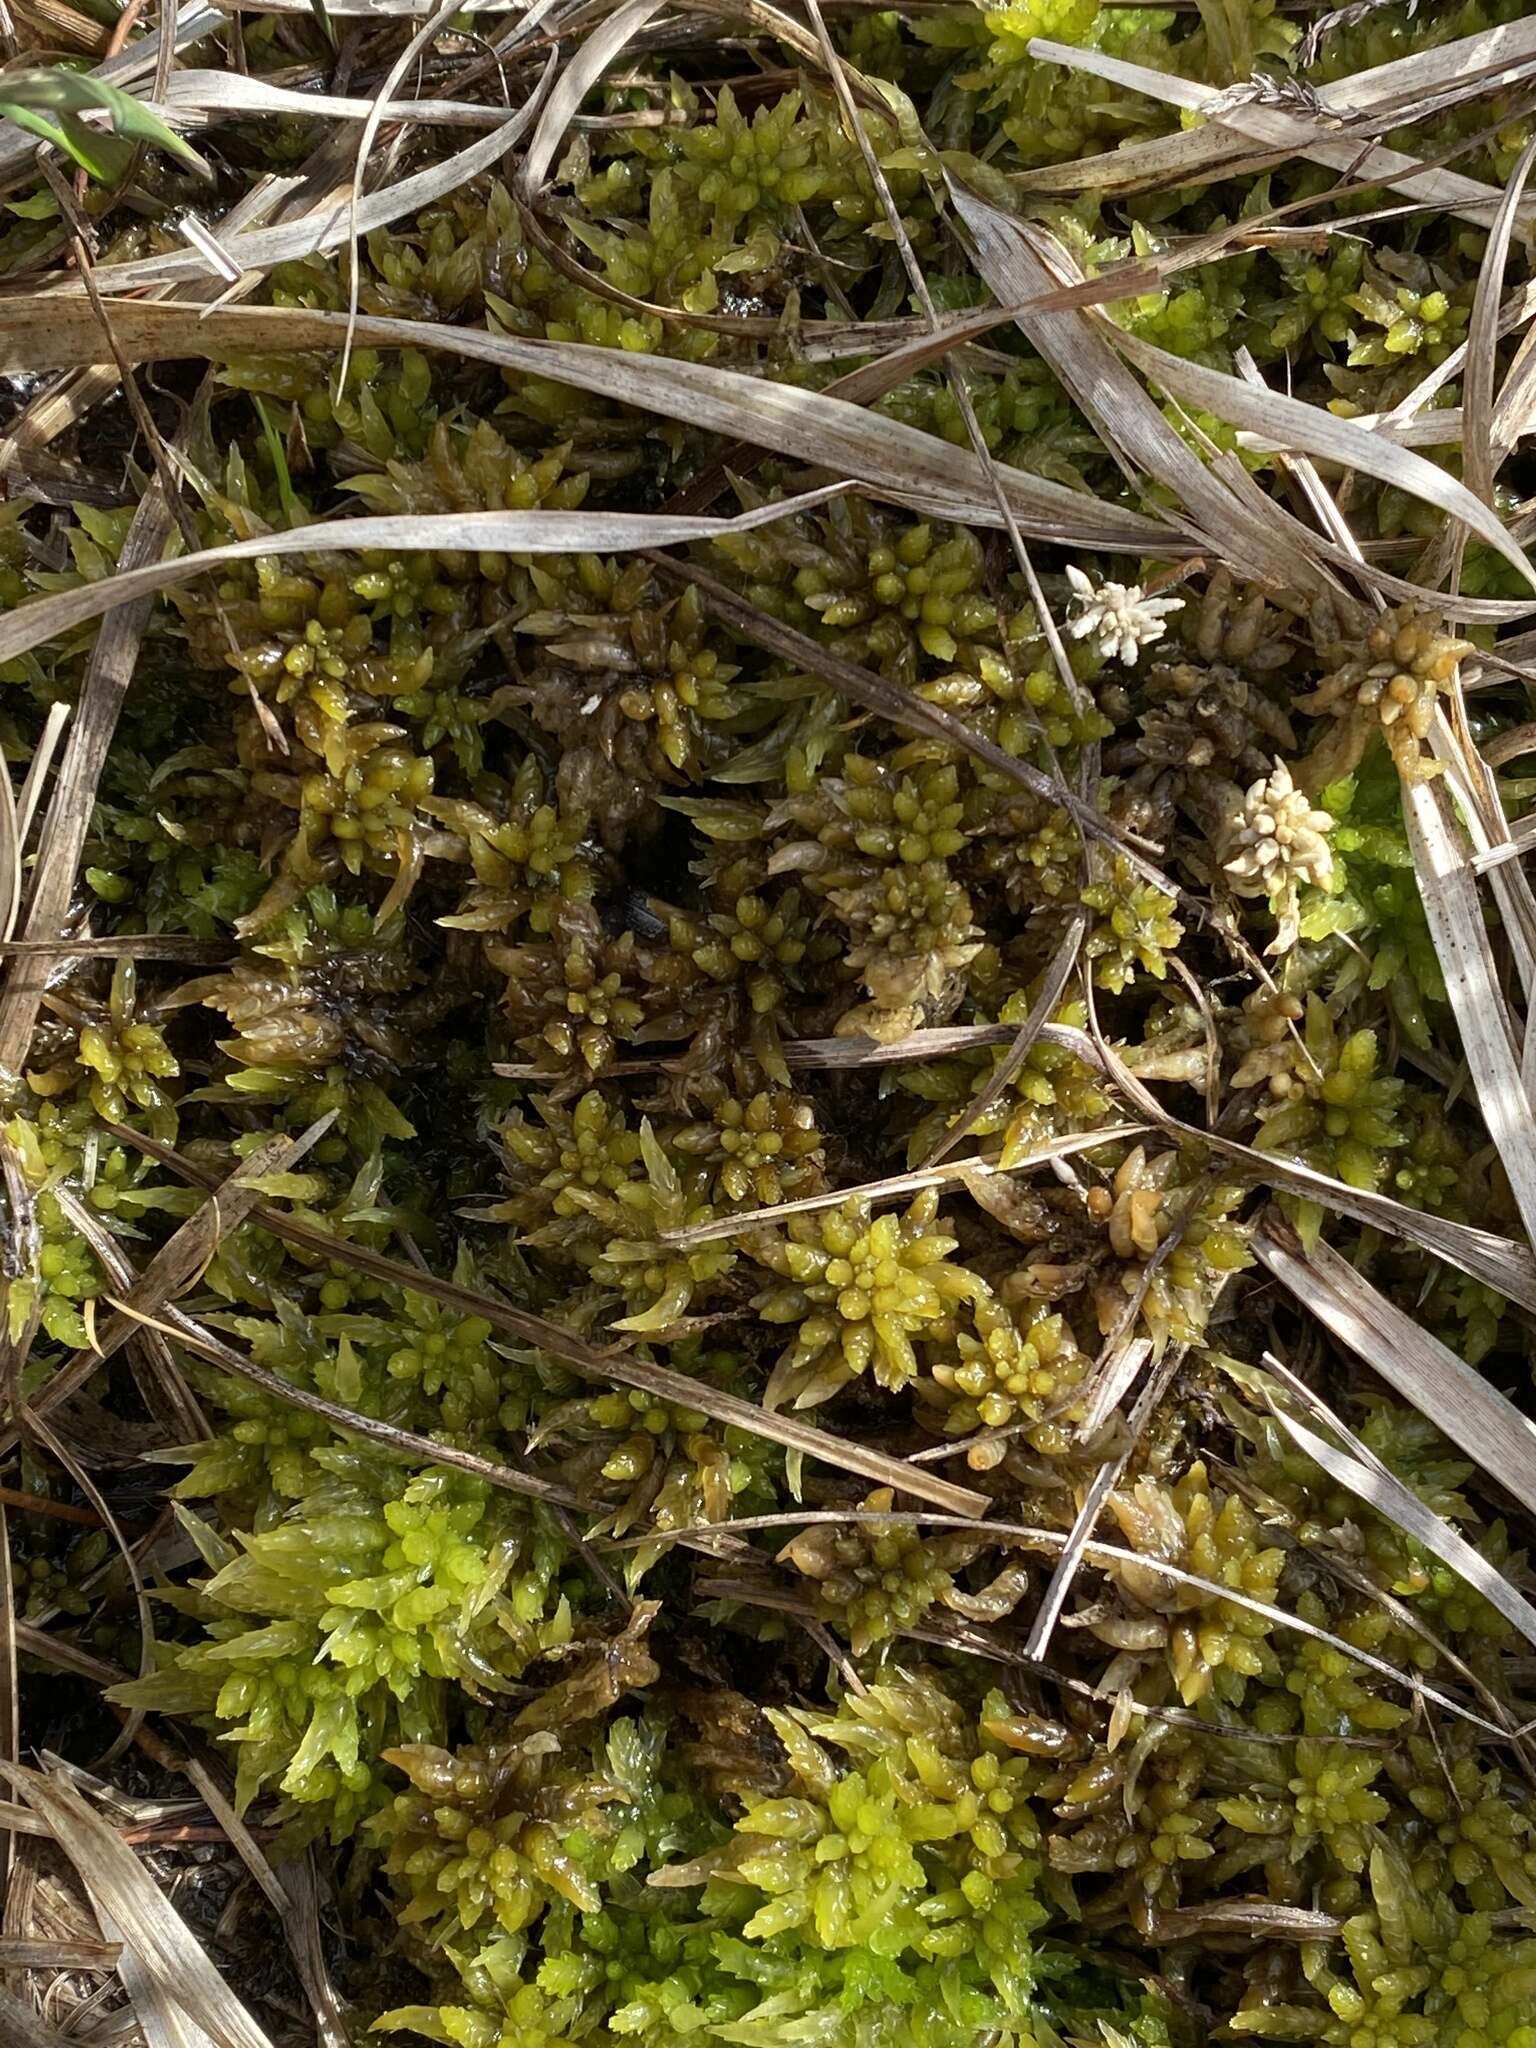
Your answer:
<point x="1474" y="791"/>
<point x="902" y="707"/>
<point x="1405" y="85"/>
<point x="1467" y="64"/>
<point x="785" y="29"/>
<point x="863" y="386"/>
<point x="57" y="1955"/>
<point x="551" y="533"/>
<point x="362" y="10"/>
<point x="128" y="946"/>
<point x="1441" y="429"/>
<point x="1379" y="1489"/>
<point x="1292" y="424"/>
<point x="886" y="372"/>
<point x="931" y="1043"/>
<point x="68" y="817"/>
<point x="169" y="1398"/>
<point x="1255" y="1917"/>
<point x="1506" y="1265"/>
<point x="183" y="1329"/>
<point x="601" y="48"/>
<point x="861" y="447"/>
<point x="1517" y="399"/>
<point x="16" y="1819"/>
<point x="424" y="35"/>
<point x="161" y="2022"/>
<point x="1503" y="1263"/>
<point x="302" y="1928"/>
<point x="64" y="1456"/>
<point x="37" y="770"/>
<point x="17" y="813"/>
<point x="1021" y="262"/>
<point x="67" y="400"/>
<point x="1454" y="914"/>
<point x="328" y="225"/>
<point x="1324" y="510"/>
<point x="1427" y="1373"/>
<point x="134" y="1911"/>
<point x="1479" y="454"/>
<point x="1109" y="1555"/>
<point x="214" y="95"/>
<point x="18" y="151"/>
<point x="1190" y="157"/>
<point x="21" y="2027"/>
<point x="1058" y="973"/>
<point x="595" y="1363"/>
<point x="1480" y="458"/>
<point x="10" y="854"/>
<point x="244" y="1842"/>
<point x="181" y="1258"/>
<point x="1500" y="748"/>
<point x="1518" y="309"/>
<point x="62" y="1655"/>
<point x="1275" y="132"/>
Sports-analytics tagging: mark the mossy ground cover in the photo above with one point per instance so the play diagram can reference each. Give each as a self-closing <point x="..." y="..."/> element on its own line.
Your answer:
<point x="766" y="1148"/>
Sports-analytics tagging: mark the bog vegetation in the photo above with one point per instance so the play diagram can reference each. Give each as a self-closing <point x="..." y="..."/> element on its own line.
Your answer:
<point x="765" y="1069"/>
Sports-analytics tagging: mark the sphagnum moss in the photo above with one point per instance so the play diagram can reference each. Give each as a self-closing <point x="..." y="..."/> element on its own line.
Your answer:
<point x="601" y="934"/>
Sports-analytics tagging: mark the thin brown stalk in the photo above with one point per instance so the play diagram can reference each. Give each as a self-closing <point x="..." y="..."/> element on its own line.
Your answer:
<point x="216" y="1799"/>
<point x="60" y="1451"/>
<point x="183" y="1329"/>
<point x="51" y="1510"/>
<point x="61" y="1655"/>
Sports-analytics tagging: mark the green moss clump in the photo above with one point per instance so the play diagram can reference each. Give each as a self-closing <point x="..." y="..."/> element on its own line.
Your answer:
<point x="343" y="1622"/>
<point x="864" y="1290"/>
